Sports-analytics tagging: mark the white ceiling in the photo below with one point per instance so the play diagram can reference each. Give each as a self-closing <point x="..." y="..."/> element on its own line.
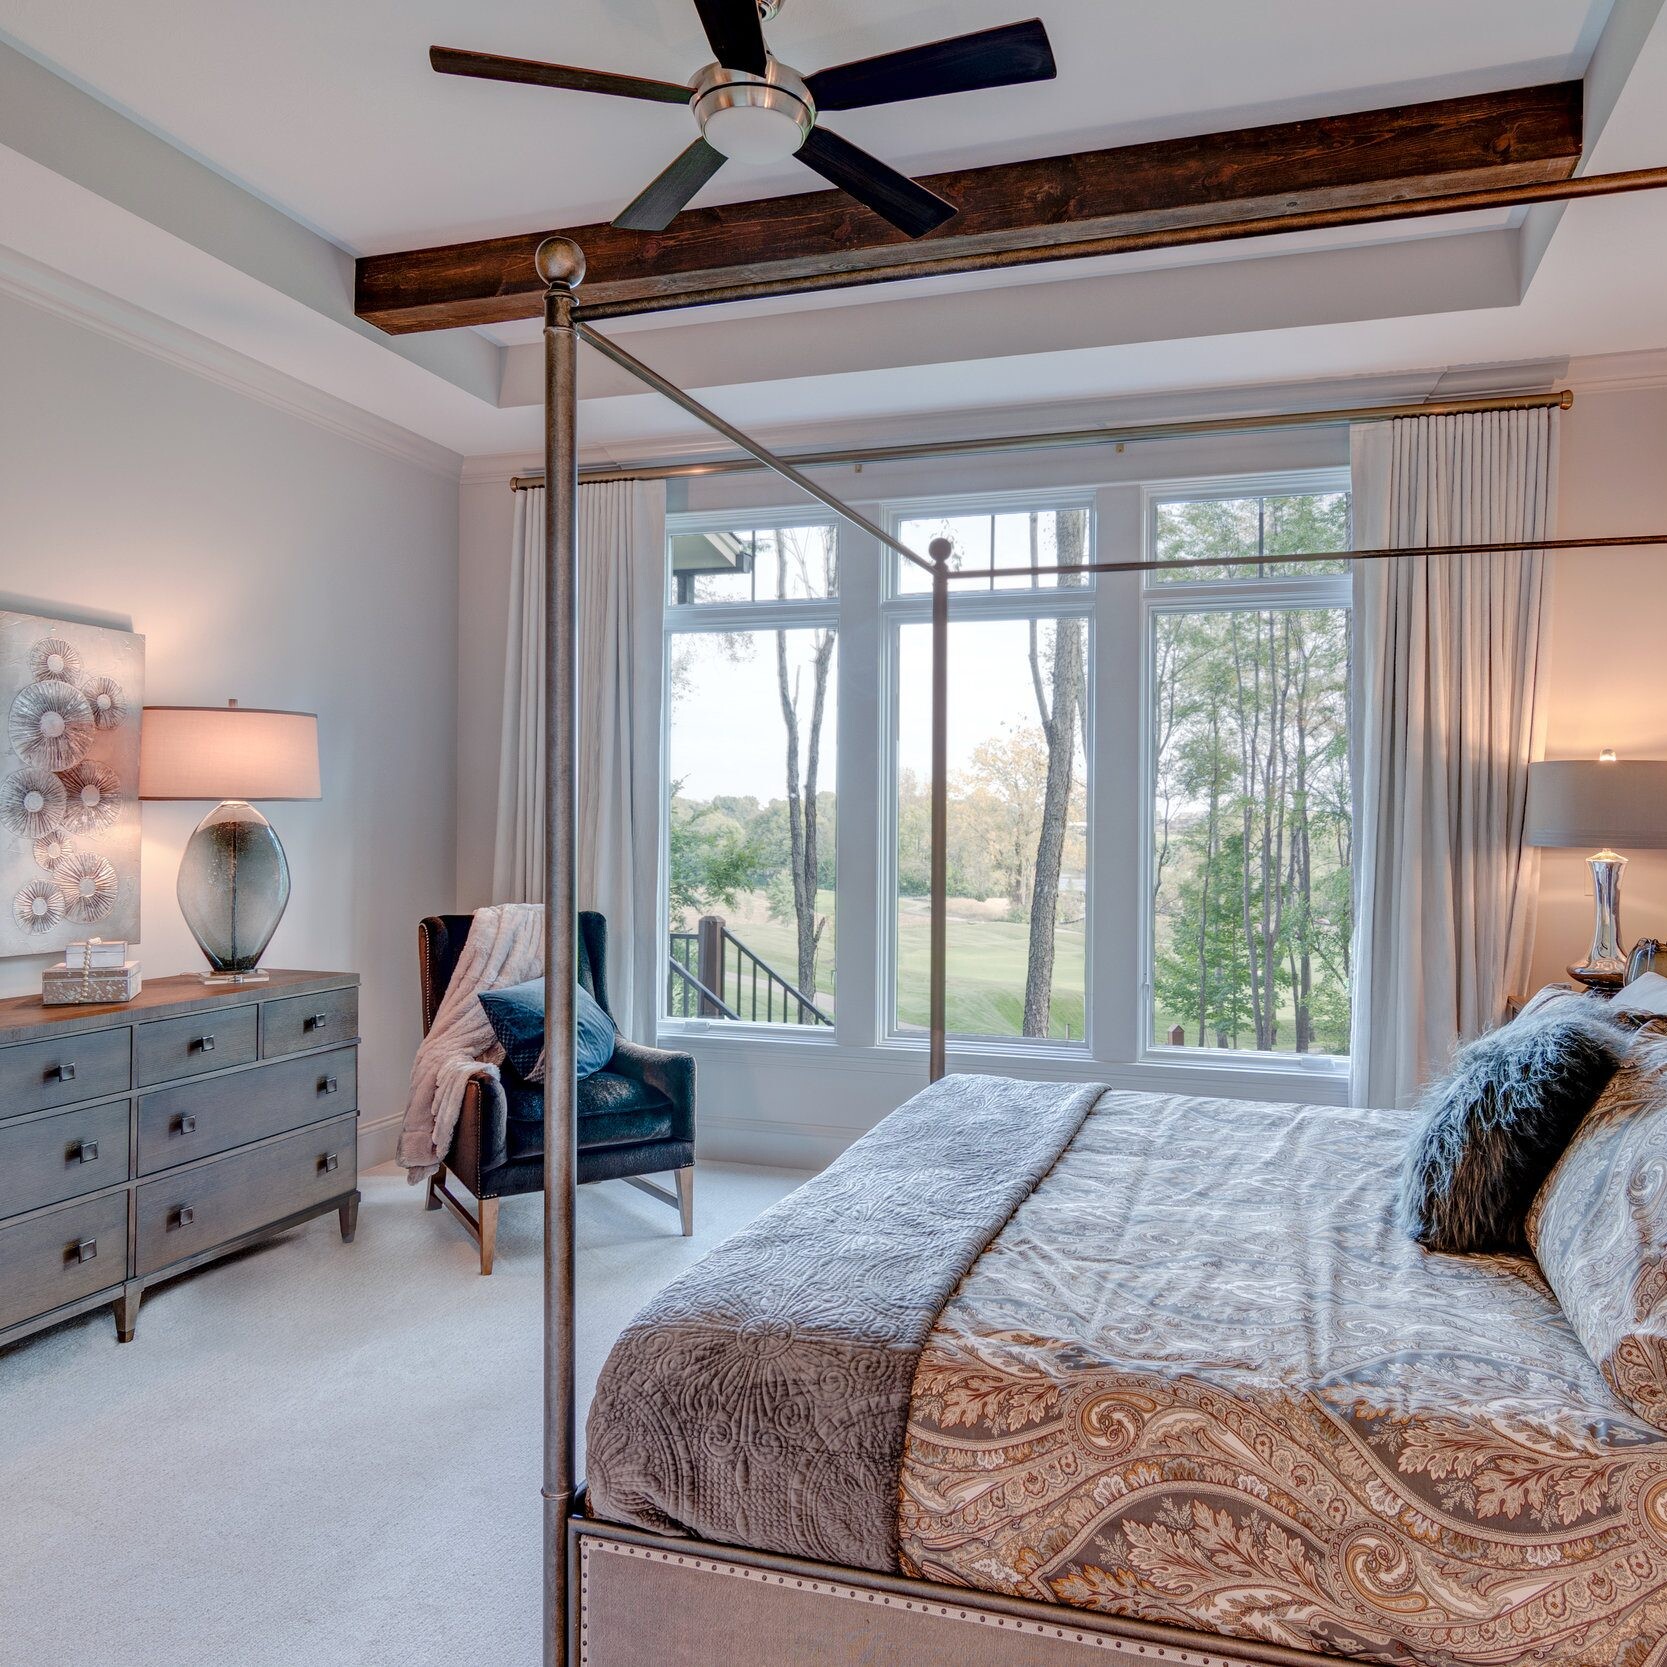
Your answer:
<point x="326" y="110"/>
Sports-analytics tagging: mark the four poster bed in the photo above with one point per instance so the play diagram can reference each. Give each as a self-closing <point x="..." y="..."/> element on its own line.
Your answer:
<point x="1054" y="1374"/>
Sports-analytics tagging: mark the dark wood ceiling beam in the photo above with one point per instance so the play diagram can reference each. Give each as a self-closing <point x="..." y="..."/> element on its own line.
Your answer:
<point x="1523" y="136"/>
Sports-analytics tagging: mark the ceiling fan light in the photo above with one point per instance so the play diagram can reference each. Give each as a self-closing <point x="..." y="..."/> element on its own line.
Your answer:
<point x="754" y="133"/>
<point x="754" y="118"/>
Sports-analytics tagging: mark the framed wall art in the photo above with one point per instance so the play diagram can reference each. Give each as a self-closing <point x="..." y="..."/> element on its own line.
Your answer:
<point x="70" y="700"/>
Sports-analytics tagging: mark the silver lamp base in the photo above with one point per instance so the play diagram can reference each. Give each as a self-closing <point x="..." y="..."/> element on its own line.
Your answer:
<point x="1605" y="965"/>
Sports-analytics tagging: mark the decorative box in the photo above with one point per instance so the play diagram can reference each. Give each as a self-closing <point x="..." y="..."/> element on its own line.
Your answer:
<point x="64" y="985"/>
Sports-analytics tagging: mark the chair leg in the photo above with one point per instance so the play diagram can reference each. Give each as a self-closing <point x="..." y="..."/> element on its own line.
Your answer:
<point x="434" y="1183"/>
<point x="686" y="1199"/>
<point x="488" y="1233"/>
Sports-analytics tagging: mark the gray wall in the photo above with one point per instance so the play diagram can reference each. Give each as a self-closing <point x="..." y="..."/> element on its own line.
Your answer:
<point x="269" y="559"/>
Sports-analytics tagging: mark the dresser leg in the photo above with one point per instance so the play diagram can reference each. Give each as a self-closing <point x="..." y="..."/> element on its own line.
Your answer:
<point x="347" y="1214"/>
<point x="127" y="1313"/>
<point x="488" y="1233"/>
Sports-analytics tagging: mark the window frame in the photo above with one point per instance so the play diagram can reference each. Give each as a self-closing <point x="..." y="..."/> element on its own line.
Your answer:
<point x="969" y="602"/>
<point x="1159" y="597"/>
<point x="683" y="619"/>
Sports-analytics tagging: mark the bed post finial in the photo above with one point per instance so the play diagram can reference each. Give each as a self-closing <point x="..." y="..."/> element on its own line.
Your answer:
<point x="561" y="264"/>
<point x="560" y="261"/>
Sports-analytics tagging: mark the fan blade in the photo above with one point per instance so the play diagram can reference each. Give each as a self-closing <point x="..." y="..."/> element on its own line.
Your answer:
<point x="962" y="64"/>
<point x="451" y="60"/>
<point x="893" y="196"/>
<point x="666" y="197"/>
<point x="735" y="34"/>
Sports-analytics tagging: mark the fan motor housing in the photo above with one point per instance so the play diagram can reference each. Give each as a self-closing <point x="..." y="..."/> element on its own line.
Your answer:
<point x="754" y="118"/>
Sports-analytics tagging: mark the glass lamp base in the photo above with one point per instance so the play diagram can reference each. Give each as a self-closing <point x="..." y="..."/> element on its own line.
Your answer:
<point x="1605" y="965"/>
<point x="233" y="888"/>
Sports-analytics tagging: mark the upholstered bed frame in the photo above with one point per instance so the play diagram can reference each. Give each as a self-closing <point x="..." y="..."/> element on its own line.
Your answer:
<point x="649" y="1600"/>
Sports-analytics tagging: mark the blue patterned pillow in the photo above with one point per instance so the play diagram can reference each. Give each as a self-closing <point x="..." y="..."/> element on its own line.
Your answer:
<point x="516" y="1014"/>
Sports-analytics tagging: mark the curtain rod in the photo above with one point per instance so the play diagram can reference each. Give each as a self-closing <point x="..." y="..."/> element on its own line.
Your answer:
<point x="1060" y="438"/>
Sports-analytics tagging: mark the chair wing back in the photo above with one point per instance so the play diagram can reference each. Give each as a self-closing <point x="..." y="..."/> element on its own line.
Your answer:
<point x="440" y="940"/>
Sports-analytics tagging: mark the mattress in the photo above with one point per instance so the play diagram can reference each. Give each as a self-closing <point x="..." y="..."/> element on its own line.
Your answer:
<point x="1201" y="1378"/>
<point x="1160" y="1357"/>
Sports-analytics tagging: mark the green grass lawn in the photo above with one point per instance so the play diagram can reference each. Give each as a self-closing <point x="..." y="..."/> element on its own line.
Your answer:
<point x="985" y="962"/>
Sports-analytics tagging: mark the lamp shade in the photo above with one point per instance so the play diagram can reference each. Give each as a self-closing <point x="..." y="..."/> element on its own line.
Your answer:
<point x="227" y="752"/>
<point x="1588" y="802"/>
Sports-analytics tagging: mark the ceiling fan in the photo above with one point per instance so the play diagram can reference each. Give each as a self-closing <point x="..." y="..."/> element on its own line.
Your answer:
<point x="754" y="108"/>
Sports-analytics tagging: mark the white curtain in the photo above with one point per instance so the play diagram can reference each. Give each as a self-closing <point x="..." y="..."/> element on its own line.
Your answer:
<point x="1449" y="658"/>
<point x="622" y="531"/>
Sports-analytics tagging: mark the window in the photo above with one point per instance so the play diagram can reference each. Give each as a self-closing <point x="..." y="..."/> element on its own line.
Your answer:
<point x="1019" y="706"/>
<point x="751" y="773"/>
<point x="1250" y="814"/>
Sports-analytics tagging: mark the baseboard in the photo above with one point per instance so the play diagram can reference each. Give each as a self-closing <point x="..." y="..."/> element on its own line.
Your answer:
<point x="378" y="1141"/>
<point x="770" y="1144"/>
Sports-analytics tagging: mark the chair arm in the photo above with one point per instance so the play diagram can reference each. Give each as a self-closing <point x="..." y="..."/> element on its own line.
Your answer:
<point x="480" y="1141"/>
<point x="667" y="1073"/>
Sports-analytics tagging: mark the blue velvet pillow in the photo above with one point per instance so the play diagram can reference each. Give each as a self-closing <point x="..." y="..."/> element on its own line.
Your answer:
<point x="516" y="1014"/>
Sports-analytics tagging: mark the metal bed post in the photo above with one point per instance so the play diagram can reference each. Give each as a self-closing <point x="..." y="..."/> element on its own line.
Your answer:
<point x="561" y="263"/>
<point x="936" y="1061"/>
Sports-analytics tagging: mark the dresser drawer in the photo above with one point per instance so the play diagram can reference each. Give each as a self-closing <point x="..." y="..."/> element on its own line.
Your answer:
<point x="299" y="1022"/>
<point x="58" y="1257"/>
<point x="52" y="1158"/>
<point x="180" y="1215"/>
<point x="198" y="1119"/>
<point x="173" y="1048"/>
<point x="88" y="1065"/>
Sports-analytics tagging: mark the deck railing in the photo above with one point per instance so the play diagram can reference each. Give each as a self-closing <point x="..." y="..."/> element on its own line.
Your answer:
<point x="712" y="974"/>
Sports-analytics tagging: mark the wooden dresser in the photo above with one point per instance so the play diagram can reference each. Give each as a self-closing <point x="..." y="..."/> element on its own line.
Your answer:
<point x="142" y="1140"/>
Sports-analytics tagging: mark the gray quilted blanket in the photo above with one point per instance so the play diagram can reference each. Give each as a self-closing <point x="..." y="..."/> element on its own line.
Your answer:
<point x="761" y="1400"/>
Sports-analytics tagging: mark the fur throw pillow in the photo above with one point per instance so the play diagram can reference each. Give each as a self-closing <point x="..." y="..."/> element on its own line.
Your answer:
<point x="1494" y="1126"/>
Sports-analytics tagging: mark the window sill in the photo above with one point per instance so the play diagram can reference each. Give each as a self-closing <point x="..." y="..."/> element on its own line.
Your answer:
<point x="1303" y="1066"/>
<point x="1200" y="1072"/>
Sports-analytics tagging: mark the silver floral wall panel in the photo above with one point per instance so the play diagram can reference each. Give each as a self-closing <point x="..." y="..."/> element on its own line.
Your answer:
<point x="70" y="700"/>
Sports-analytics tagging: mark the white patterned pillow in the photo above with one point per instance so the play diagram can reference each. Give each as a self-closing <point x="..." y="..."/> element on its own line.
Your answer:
<point x="1599" y="1229"/>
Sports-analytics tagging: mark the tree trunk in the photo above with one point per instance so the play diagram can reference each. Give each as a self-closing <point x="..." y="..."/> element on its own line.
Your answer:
<point x="801" y="800"/>
<point x="1059" y="725"/>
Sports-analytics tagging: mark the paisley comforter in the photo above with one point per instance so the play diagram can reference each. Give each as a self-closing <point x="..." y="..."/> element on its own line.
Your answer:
<point x="1159" y="1357"/>
<point x="1200" y="1378"/>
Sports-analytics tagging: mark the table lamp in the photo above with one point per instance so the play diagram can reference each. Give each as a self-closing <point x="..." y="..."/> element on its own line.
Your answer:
<point x="1606" y="802"/>
<point x="234" y="878"/>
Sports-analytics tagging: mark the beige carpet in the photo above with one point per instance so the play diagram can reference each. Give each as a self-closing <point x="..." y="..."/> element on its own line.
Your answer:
<point x="316" y="1453"/>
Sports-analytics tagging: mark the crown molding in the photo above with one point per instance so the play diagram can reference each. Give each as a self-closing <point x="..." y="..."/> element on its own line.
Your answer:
<point x="51" y="291"/>
<point x="1618" y="372"/>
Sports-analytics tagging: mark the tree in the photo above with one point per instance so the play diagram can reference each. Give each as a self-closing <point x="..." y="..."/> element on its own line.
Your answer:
<point x="1059" y="703"/>
<point x="997" y="811"/>
<point x="712" y="858"/>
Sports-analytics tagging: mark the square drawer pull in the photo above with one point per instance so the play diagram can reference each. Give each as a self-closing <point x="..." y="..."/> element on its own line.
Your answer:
<point x="316" y="1021"/>
<point x="85" y="1151"/>
<point x="182" y="1217"/>
<point x="203" y="1044"/>
<point x="86" y="1251"/>
<point x="185" y="1123"/>
<point x="328" y="1162"/>
<point x="61" y="1073"/>
<point x="328" y="1085"/>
